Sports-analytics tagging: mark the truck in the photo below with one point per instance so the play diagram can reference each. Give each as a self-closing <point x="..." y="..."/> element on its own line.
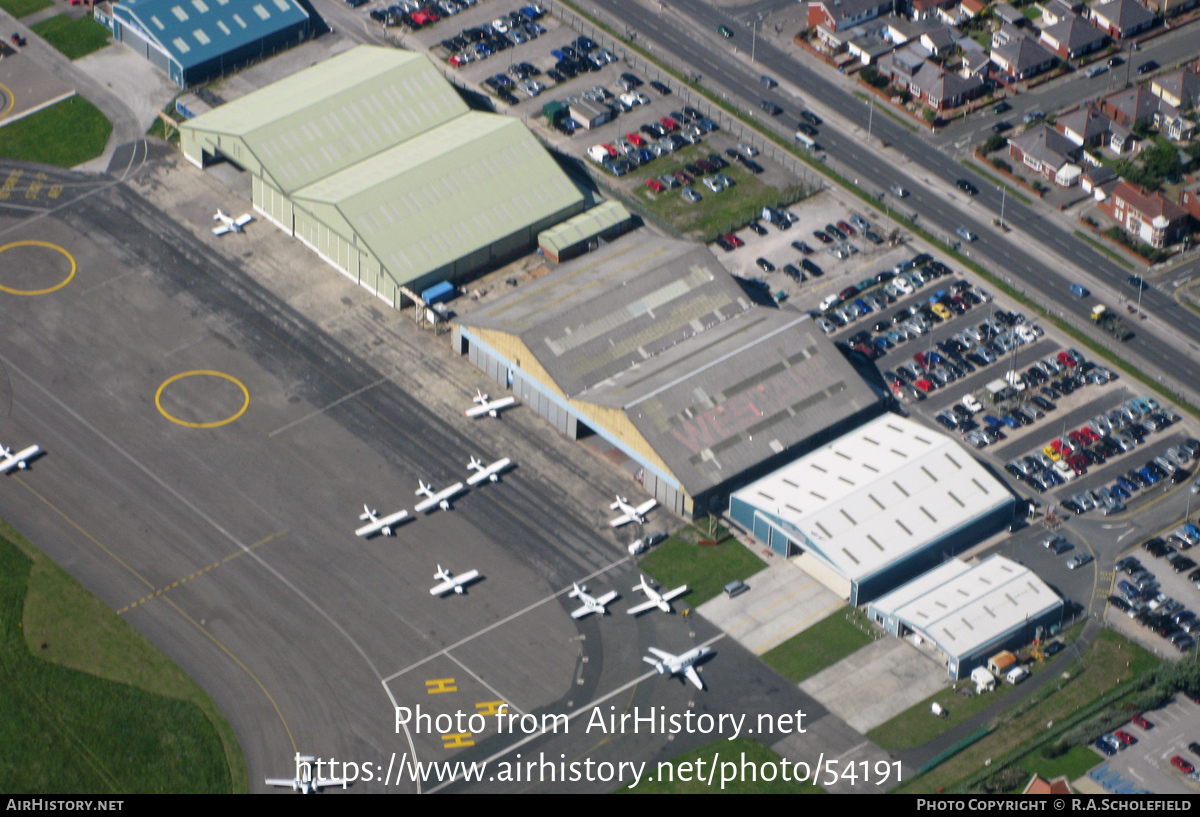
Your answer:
<point x="1103" y="317"/>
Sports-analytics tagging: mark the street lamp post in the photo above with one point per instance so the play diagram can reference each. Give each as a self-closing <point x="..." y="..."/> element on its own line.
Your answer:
<point x="1141" y="287"/>
<point x="870" y="115"/>
<point x="1003" y="198"/>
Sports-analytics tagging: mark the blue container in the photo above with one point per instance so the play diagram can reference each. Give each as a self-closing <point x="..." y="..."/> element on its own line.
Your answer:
<point x="439" y="293"/>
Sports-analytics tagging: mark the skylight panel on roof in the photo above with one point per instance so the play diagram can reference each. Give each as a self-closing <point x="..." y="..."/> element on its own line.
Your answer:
<point x="181" y="46"/>
<point x="237" y="18"/>
<point x="154" y="19"/>
<point x="200" y="5"/>
<point x="201" y="37"/>
<point x="282" y="5"/>
<point x="224" y="28"/>
<point x="262" y="12"/>
<point x="179" y="13"/>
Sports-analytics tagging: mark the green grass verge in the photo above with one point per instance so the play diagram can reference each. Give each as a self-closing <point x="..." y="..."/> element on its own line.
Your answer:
<point x="75" y="38"/>
<point x="728" y="210"/>
<point x="21" y="8"/>
<point x="1109" y="251"/>
<point x="885" y="108"/>
<point x="1073" y="764"/>
<point x="705" y="569"/>
<point x="66" y="730"/>
<point x="65" y="134"/>
<point x="821" y="645"/>
<point x="998" y="182"/>
<point x="724" y="751"/>
<point x="1109" y="663"/>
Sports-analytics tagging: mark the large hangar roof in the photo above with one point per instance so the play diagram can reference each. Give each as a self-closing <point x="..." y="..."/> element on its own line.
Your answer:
<point x="195" y="31"/>
<point x="326" y="118"/>
<point x="659" y="330"/>
<point x="965" y="607"/>
<point x="877" y="494"/>
<point x="445" y="193"/>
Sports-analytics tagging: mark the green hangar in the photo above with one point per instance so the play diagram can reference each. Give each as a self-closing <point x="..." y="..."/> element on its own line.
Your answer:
<point x="373" y="160"/>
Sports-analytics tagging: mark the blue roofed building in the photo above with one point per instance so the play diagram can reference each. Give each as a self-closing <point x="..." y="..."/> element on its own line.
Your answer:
<point x="195" y="40"/>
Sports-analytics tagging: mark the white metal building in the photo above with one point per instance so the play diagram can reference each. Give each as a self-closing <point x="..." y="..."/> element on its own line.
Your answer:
<point x="876" y="507"/>
<point x="970" y="612"/>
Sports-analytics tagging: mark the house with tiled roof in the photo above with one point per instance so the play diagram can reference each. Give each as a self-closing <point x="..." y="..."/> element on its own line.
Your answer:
<point x="911" y="70"/>
<point x="1135" y="105"/>
<point x="1040" y="786"/>
<point x="1021" y="57"/>
<point x="972" y="7"/>
<point x="1073" y="37"/>
<point x="842" y="14"/>
<point x="1149" y="217"/>
<point x="1122" y="18"/>
<point x="1086" y="127"/>
<point x="1046" y="151"/>
<point x="1179" y="89"/>
<point x="1169" y="8"/>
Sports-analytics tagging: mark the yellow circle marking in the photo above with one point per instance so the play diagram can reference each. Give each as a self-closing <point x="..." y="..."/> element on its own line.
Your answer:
<point x="12" y="100"/>
<point x="196" y="373"/>
<point x="48" y="290"/>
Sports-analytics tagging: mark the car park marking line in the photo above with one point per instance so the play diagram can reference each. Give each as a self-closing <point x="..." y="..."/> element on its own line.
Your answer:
<point x="588" y="707"/>
<point x="47" y="290"/>
<point x="488" y="686"/>
<point x="505" y="620"/>
<point x="166" y="587"/>
<point x="206" y="373"/>
<point x="336" y="402"/>
<point x="173" y="605"/>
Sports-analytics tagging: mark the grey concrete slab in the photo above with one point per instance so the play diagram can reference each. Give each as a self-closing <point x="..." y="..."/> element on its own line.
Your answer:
<point x="876" y="683"/>
<point x="26" y="87"/>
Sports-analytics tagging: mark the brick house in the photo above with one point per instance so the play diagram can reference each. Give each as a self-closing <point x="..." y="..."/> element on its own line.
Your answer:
<point x="1073" y="37"/>
<point x="1021" y="58"/>
<point x="1179" y="89"/>
<point x="1046" y="151"/>
<point x="842" y="14"/>
<point x="1148" y="217"/>
<point x="1122" y="18"/>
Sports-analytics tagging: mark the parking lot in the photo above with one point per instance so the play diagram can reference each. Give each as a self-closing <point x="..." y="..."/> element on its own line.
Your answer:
<point x="1145" y="766"/>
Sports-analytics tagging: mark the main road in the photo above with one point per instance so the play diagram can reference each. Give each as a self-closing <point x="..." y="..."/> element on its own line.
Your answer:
<point x="695" y="43"/>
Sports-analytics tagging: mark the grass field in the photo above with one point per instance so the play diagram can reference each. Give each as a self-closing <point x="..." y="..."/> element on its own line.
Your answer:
<point x="1110" y="660"/>
<point x="705" y="569"/>
<point x="821" y="645"/>
<point x="730" y="209"/>
<point x="1073" y="764"/>
<point x="20" y="8"/>
<point x="725" y="751"/>
<point x="74" y="38"/>
<point x="65" y="134"/>
<point x="65" y="728"/>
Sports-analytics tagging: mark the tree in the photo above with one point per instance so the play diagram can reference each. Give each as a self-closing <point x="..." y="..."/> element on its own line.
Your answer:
<point x="995" y="142"/>
<point x="930" y="115"/>
<point x="1141" y="128"/>
<point x="1162" y="161"/>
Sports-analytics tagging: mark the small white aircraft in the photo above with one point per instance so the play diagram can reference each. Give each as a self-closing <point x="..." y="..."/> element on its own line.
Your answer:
<point x="656" y="599"/>
<point x="441" y="499"/>
<point x="18" y="460"/>
<point x="629" y="513"/>
<point x="591" y="604"/>
<point x="386" y="525"/>
<point x="230" y="224"/>
<point x="304" y="781"/>
<point x="492" y="408"/>
<point x="488" y="472"/>
<point x="679" y="664"/>
<point x="451" y="582"/>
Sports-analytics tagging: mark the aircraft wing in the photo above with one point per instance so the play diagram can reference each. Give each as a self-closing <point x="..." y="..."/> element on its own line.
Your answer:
<point x="441" y="589"/>
<point x="678" y="591"/>
<point x="619" y="521"/>
<point x="279" y="781"/>
<point x="645" y="506"/>
<point x="662" y="654"/>
<point x="641" y="608"/>
<point x="693" y="676"/>
<point x="502" y="403"/>
<point x="380" y="524"/>
<point x="466" y="578"/>
<point x="242" y="221"/>
<point x="607" y="597"/>
<point x="486" y="474"/>
<point x="427" y="503"/>
<point x="477" y="411"/>
<point x="224" y="228"/>
<point x="581" y="612"/>
<point x="322" y="783"/>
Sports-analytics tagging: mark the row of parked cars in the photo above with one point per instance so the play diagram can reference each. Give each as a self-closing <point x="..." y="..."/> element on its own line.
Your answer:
<point x="707" y="170"/>
<point x="1141" y="598"/>
<point x="654" y="139"/>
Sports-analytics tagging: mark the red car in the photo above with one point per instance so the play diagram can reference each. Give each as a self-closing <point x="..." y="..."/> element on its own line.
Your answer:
<point x="1078" y="464"/>
<point x="1065" y="359"/>
<point x="681" y="177"/>
<point x="655" y="185"/>
<point x="924" y="385"/>
<point x="612" y="151"/>
<point x="734" y="240"/>
<point x="1124" y="737"/>
<point x="1182" y="765"/>
<point x="845" y="228"/>
<point x="1057" y="445"/>
<point x="919" y="357"/>
<point x="635" y="139"/>
<point x="1077" y="438"/>
<point x="1089" y="434"/>
<point x="1141" y="722"/>
<point x="669" y="123"/>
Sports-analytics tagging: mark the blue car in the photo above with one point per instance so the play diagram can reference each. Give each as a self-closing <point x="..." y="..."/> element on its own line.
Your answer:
<point x="1010" y="421"/>
<point x="1119" y="492"/>
<point x="937" y="359"/>
<point x="863" y="306"/>
<point x="558" y="55"/>
<point x="1127" y="589"/>
<point x="1148" y="475"/>
<point x="644" y="155"/>
<point x="1127" y="486"/>
<point x="882" y="344"/>
<point x="1103" y="746"/>
<point x="991" y="422"/>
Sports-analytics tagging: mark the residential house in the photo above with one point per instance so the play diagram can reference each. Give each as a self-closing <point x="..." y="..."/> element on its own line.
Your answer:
<point x="869" y="42"/>
<point x="975" y="59"/>
<point x="1169" y="8"/>
<point x="1135" y="105"/>
<point x="1122" y="18"/>
<point x="1046" y="151"/>
<point x="842" y="14"/>
<point x="972" y="7"/>
<point x="1149" y="217"/>
<point x="1039" y="785"/>
<point x="1022" y="58"/>
<point x="1179" y="89"/>
<point x="910" y="69"/>
<point x="1175" y="128"/>
<point x="1086" y="127"/>
<point x="1007" y="14"/>
<point x="928" y="9"/>
<point x="1073" y="37"/>
<point x="1189" y="199"/>
<point x="940" y="41"/>
<point x="1099" y="181"/>
<point x="1055" y="11"/>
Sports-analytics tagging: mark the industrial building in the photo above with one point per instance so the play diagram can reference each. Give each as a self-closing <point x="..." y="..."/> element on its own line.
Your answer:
<point x="968" y="613"/>
<point x="652" y="345"/>
<point x="585" y="232"/>
<point x="374" y="161"/>
<point x="193" y="41"/>
<point x="875" y="507"/>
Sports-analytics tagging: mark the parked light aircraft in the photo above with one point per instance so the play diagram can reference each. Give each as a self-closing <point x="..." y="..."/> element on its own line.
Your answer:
<point x="441" y="499"/>
<point x="483" y="472"/>
<point x="629" y="513"/>
<point x="656" y="599"/>
<point x="18" y="460"/>
<point x="230" y="224"/>
<point x="591" y="604"/>
<point x="492" y="408"/>
<point x="386" y="525"/>
<point x="304" y="781"/>
<point x="684" y="664"/>
<point x="451" y="582"/>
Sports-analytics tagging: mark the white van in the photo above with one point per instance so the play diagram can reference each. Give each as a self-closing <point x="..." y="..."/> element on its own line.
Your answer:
<point x="1016" y="675"/>
<point x="597" y="153"/>
<point x="828" y="303"/>
<point x="806" y="140"/>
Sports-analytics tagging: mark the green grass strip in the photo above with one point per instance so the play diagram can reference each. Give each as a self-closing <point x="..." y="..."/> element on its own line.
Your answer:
<point x="1109" y="251"/>
<point x="75" y="38"/>
<point x="820" y="646"/>
<point x="705" y="569"/>
<point x="998" y="182"/>
<point x="887" y="111"/>
<point x="65" y="134"/>
<point x="22" y="8"/>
